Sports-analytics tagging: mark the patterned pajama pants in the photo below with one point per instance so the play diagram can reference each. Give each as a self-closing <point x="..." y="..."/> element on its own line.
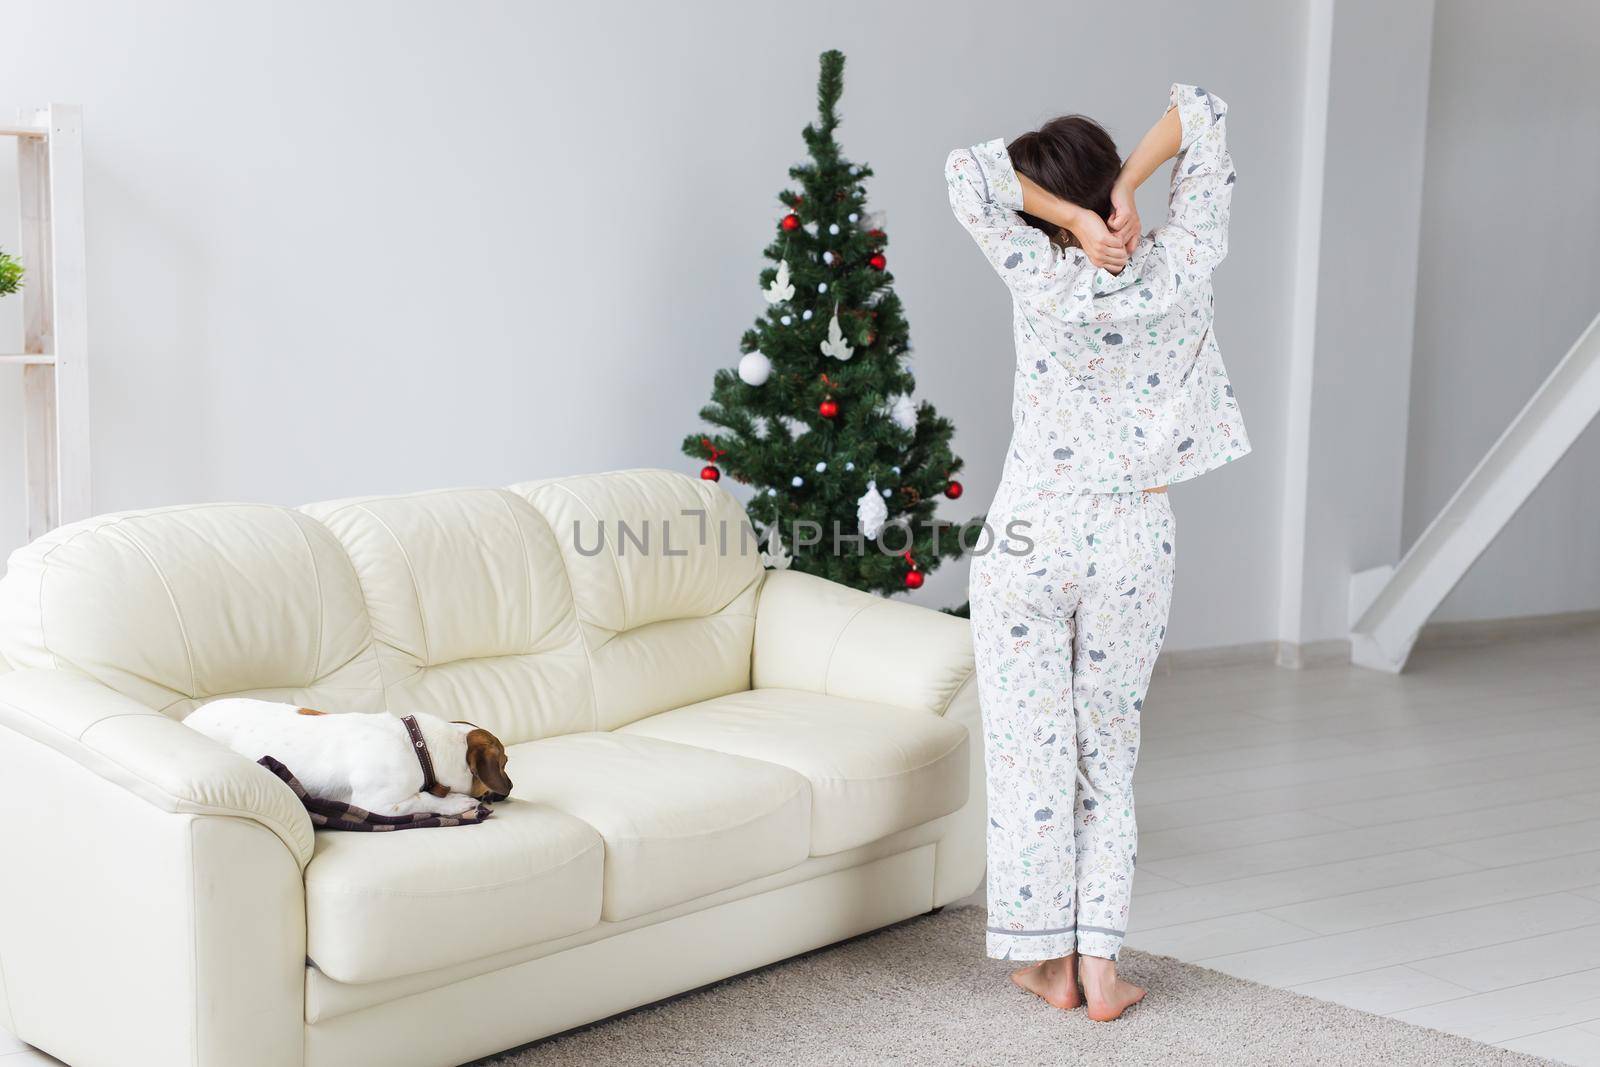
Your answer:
<point x="1066" y="631"/>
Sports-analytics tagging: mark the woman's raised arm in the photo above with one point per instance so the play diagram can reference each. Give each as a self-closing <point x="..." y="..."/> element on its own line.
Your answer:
<point x="1195" y="130"/>
<point x="1159" y="144"/>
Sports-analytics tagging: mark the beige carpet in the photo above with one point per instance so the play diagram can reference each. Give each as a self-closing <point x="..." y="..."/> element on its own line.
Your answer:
<point x="923" y="993"/>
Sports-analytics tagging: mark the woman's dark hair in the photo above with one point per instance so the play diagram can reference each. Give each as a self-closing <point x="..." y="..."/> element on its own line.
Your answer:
<point x="1074" y="158"/>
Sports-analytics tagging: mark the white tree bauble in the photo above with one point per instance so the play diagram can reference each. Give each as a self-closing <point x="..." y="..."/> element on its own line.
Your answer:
<point x="871" y="511"/>
<point x="797" y="481"/>
<point x="755" y="369"/>
<point x="903" y="410"/>
<point x="821" y="466"/>
<point x="833" y="228"/>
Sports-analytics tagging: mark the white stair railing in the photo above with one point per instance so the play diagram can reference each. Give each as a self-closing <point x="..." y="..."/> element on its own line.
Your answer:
<point x="1388" y="605"/>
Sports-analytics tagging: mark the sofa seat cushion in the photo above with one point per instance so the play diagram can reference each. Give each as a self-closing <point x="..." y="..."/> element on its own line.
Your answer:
<point x="874" y="769"/>
<point x="678" y="822"/>
<point x="383" y="905"/>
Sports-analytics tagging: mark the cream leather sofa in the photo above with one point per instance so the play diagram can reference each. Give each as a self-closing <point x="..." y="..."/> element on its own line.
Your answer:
<point x="715" y="768"/>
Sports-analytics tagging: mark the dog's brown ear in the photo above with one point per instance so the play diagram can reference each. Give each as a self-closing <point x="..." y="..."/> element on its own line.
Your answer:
<point x="486" y="758"/>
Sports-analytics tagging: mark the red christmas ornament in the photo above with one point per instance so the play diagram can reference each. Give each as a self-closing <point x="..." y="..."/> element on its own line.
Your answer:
<point x="913" y="579"/>
<point x="954" y="490"/>
<point x="876" y="261"/>
<point x="790" y="223"/>
<point x="876" y="235"/>
<point x="710" y="473"/>
<point x="828" y="408"/>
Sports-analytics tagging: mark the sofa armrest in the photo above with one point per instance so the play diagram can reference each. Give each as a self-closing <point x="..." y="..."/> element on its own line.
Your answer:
<point x="820" y="636"/>
<point x="151" y="756"/>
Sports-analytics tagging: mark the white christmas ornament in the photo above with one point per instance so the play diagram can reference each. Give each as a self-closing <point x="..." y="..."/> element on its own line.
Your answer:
<point x="776" y="555"/>
<point x="822" y="287"/>
<point x="755" y="369"/>
<point x="827" y="257"/>
<point x="833" y="228"/>
<point x="854" y="217"/>
<point x="871" y="511"/>
<point x="904" y="412"/>
<point x="786" y="319"/>
<point x="780" y="289"/>
<point x="850" y="466"/>
<point x="821" y="466"/>
<point x="836" y="346"/>
<point x="806" y="314"/>
<point x="797" y="481"/>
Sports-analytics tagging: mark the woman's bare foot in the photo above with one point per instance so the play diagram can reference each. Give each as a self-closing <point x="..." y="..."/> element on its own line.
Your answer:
<point x="1108" y="996"/>
<point x="1056" y="981"/>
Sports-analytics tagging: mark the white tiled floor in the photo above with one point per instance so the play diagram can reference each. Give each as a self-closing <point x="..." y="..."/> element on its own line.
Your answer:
<point x="1425" y="846"/>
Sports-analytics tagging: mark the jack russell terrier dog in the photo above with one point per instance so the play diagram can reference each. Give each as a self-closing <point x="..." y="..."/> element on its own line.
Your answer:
<point x="381" y="762"/>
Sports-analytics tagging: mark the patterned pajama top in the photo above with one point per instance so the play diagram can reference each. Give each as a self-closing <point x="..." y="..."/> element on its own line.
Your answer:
<point x="1119" y="382"/>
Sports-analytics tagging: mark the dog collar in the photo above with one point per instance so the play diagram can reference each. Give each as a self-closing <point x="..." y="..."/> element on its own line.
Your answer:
<point x="419" y="745"/>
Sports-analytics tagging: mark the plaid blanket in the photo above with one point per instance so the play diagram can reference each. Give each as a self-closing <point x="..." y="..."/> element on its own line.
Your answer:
<point x="337" y="815"/>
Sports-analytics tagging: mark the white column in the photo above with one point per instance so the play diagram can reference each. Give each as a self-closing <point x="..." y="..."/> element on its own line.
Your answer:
<point x="1345" y="466"/>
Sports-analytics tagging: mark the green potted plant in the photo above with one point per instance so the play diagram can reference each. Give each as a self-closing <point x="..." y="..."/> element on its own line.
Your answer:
<point x="11" y="272"/>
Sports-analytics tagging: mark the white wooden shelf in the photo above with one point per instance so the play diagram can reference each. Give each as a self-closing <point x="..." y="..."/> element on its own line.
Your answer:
<point x="55" y="344"/>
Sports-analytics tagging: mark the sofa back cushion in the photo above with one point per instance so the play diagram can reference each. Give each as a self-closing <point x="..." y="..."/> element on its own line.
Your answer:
<point x="471" y="609"/>
<point x="176" y="606"/>
<point x="665" y="572"/>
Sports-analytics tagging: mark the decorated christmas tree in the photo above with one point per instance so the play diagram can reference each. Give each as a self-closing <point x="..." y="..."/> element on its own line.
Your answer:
<point x="818" y="417"/>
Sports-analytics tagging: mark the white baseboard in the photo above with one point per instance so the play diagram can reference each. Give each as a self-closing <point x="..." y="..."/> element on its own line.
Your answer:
<point x="1486" y="631"/>
<point x="1296" y="656"/>
<point x="1256" y="652"/>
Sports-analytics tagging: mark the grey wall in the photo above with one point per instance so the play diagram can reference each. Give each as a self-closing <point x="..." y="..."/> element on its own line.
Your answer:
<point x="373" y="247"/>
<point x="1508" y="277"/>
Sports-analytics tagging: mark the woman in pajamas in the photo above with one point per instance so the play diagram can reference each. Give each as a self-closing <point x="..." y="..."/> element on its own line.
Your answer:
<point x="1120" y="391"/>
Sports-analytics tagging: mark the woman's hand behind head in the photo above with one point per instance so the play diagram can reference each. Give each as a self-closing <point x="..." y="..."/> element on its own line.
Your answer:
<point x="1105" y="249"/>
<point x="1124" y="221"/>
